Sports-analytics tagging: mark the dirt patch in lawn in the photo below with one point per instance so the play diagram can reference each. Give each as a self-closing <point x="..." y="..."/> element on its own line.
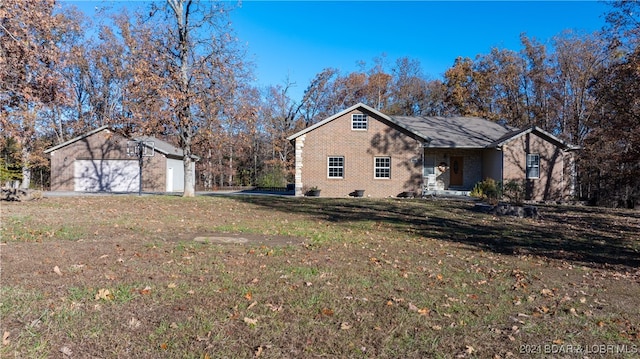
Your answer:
<point x="248" y="239"/>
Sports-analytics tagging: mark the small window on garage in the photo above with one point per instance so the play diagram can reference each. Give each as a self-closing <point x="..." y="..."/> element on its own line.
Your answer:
<point x="335" y="167"/>
<point x="382" y="167"/>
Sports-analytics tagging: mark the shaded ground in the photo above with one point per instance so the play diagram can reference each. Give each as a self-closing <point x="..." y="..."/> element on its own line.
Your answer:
<point x="251" y="276"/>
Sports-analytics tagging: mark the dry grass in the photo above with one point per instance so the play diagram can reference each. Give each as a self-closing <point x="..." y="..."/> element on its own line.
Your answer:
<point x="122" y="277"/>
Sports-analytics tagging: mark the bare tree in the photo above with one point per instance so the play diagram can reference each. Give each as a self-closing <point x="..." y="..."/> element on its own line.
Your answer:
<point x="30" y="79"/>
<point x="181" y="62"/>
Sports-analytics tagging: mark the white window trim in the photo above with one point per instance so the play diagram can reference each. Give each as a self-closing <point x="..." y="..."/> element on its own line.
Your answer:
<point x="363" y="119"/>
<point x="528" y="167"/>
<point x="429" y="159"/>
<point x="329" y="167"/>
<point x="376" y="167"/>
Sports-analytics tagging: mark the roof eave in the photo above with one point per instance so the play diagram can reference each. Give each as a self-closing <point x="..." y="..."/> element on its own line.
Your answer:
<point x="542" y="133"/>
<point x="75" y="139"/>
<point x="457" y="147"/>
<point x="341" y="113"/>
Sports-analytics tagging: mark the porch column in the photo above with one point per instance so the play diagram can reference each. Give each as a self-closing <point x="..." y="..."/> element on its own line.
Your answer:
<point x="298" y="168"/>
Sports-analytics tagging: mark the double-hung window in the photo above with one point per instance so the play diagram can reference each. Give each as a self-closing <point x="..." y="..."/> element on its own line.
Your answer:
<point x="429" y="166"/>
<point x="335" y="167"/>
<point x="533" y="165"/>
<point x="359" y="121"/>
<point x="382" y="167"/>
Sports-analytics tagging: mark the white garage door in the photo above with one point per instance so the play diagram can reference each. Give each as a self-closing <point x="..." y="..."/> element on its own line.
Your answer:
<point x="106" y="175"/>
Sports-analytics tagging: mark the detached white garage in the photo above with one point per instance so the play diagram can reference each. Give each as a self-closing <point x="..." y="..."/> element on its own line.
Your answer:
<point x="98" y="161"/>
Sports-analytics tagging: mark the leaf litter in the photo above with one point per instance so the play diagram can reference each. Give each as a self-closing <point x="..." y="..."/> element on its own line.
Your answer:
<point x="388" y="286"/>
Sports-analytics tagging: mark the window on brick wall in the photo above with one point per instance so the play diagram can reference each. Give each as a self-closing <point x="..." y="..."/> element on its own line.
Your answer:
<point x="382" y="167"/>
<point x="533" y="165"/>
<point x="429" y="166"/>
<point x="335" y="167"/>
<point x="359" y="121"/>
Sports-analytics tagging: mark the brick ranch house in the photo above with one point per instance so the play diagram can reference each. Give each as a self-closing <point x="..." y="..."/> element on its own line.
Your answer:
<point x="98" y="161"/>
<point x="361" y="148"/>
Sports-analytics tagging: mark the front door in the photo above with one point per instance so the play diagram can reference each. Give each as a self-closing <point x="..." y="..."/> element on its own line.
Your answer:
<point x="456" y="167"/>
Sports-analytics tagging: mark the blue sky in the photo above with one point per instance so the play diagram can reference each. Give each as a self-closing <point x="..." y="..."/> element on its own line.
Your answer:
<point x="295" y="40"/>
<point x="298" y="39"/>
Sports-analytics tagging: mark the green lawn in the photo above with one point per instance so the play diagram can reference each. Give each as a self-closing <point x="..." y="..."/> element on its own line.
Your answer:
<point x="121" y="276"/>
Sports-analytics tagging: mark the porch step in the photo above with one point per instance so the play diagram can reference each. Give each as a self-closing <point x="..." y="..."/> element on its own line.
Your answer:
<point x="448" y="192"/>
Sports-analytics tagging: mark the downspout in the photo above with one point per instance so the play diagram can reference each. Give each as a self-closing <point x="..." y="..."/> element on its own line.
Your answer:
<point x="500" y="149"/>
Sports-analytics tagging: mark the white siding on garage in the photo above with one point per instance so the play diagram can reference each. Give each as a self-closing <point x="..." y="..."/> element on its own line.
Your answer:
<point x="106" y="176"/>
<point x="175" y="169"/>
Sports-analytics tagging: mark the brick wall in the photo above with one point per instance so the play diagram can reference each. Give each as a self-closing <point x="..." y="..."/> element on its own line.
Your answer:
<point x="551" y="185"/>
<point x="359" y="148"/>
<point x="102" y="145"/>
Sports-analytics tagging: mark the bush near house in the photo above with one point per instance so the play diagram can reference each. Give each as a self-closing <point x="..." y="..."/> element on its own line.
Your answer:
<point x="488" y="190"/>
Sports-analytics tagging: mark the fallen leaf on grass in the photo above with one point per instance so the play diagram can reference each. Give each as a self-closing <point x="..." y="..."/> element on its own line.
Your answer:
<point x="412" y="307"/>
<point x="66" y="351"/>
<point x="171" y="285"/>
<point x="470" y="349"/>
<point x="104" y="294"/>
<point x="345" y="326"/>
<point x="252" y="305"/>
<point x="274" y="308"/>
<point x="146" y="290"/>
<point x="258" y="351"/>
<point x="547" y="292"/>
<point x="134" y="323"/>
<point x="543" y="309"/>
<point x="424" y="311"/>
<point x="326" y="311"/>
<point x="250" y="321"/>
<point x="57" y="271"/>
<point x="5" y="338"/>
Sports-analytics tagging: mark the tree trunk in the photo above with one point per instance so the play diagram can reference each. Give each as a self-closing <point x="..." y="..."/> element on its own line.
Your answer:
<point x="26" y="169"/>
<point x="189" y="178"/>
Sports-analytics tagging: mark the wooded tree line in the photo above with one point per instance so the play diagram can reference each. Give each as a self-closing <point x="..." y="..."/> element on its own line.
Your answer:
<point x="176" y="71"/>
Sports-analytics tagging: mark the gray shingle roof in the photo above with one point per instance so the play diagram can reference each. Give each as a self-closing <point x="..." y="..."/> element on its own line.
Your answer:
<point x="454" y="132"/>
<point x="166" y="148"/>
<point x="162" y="146"/>
<point x="449" y="132"/>
<point x="159" y="145"/>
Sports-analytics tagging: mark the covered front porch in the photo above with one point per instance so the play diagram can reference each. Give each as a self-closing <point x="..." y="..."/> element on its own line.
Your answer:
<point x="453" y="171"/>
